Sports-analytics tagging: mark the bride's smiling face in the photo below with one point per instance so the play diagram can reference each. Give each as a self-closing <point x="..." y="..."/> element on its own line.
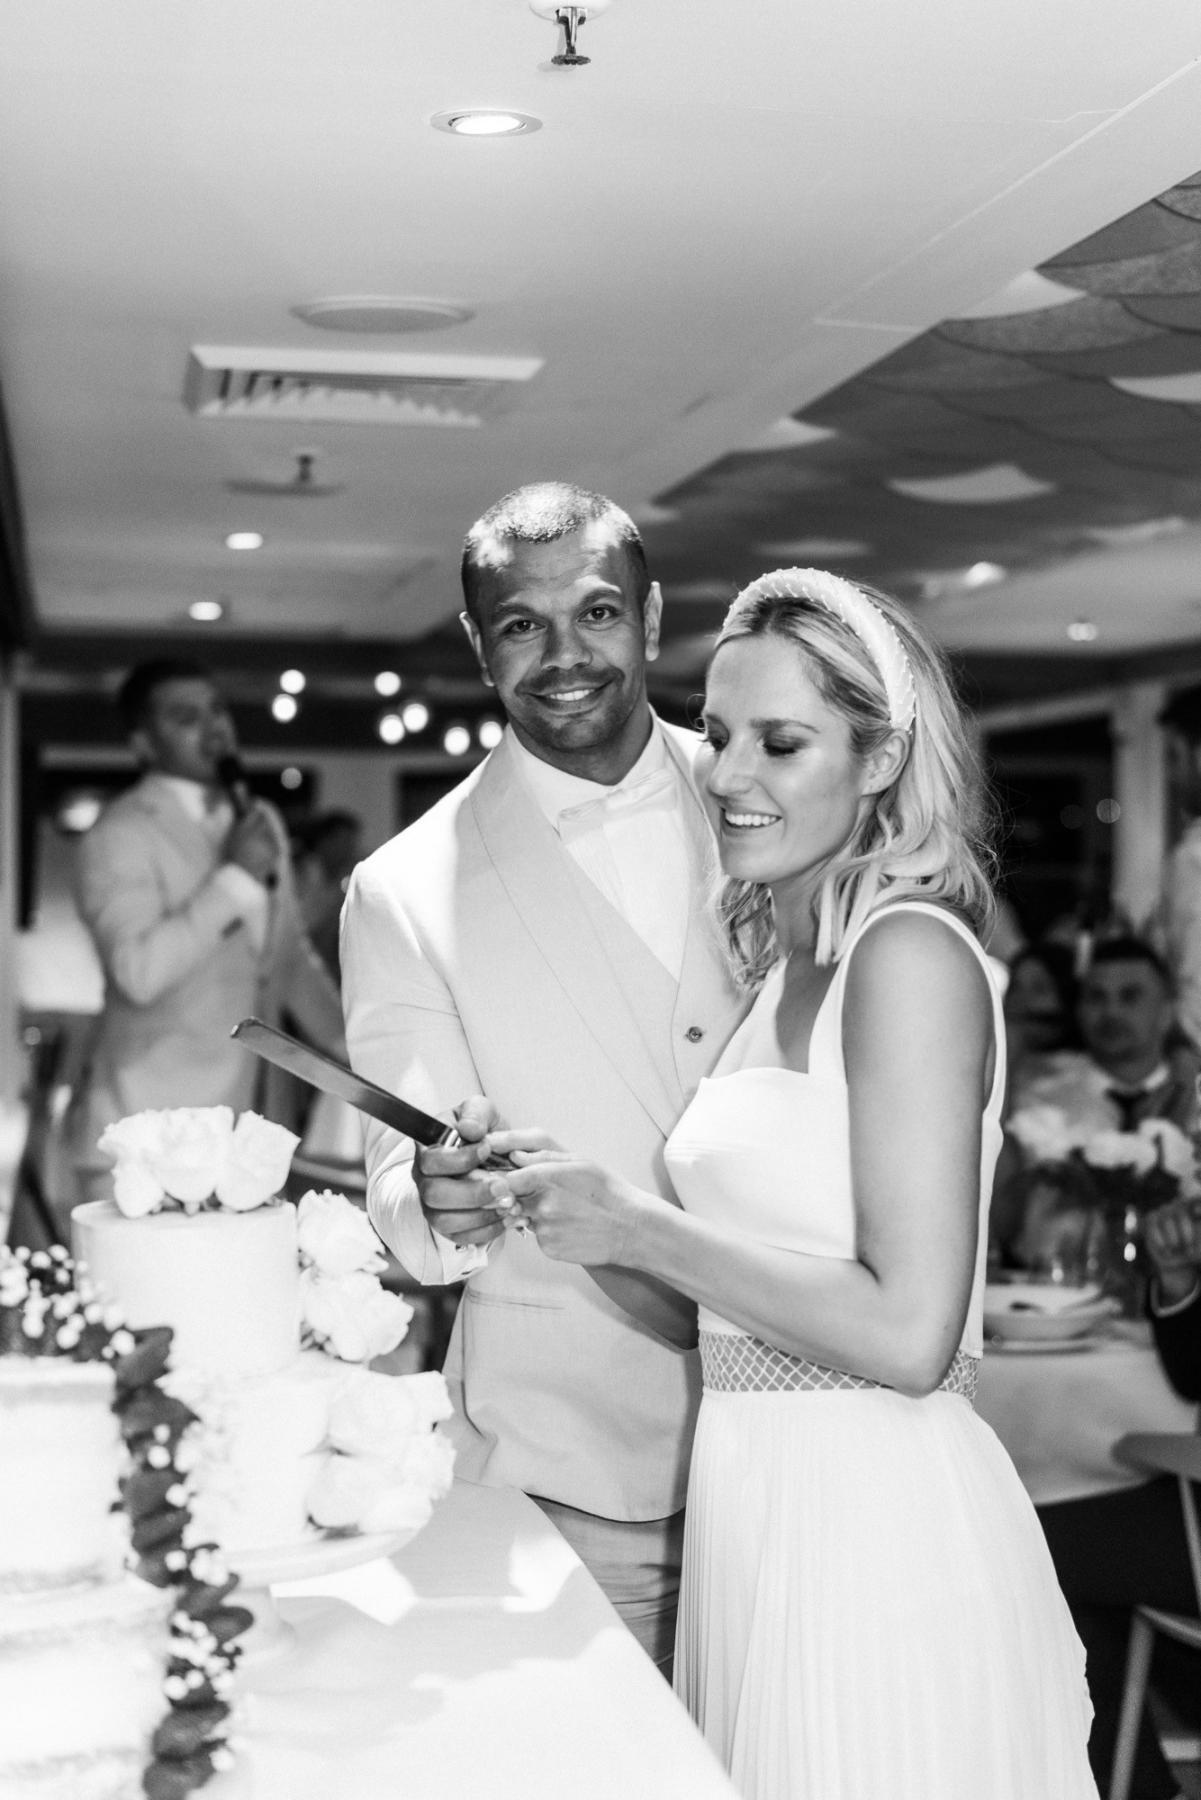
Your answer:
<point x="784" y="787"/>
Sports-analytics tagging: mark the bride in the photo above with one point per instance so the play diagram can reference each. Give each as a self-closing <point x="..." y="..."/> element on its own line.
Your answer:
<point x="868" y="1608"/>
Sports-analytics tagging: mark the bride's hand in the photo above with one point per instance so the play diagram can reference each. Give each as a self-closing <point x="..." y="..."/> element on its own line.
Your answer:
<point x="580" y="1213"/>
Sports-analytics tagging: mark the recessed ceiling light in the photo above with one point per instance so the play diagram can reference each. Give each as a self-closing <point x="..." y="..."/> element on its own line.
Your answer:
<point x="391" y="728"/>
<point x="291" y="779"/>
<point x="1083" y="631"/>
<point x="416" y="715"/>
<point x="481" y="122"/>
<point x="244" y="540"/>
<point x="387" y="683"/>
<point x="284" y="709"/>
<point x="292" y="681"/>
<point x="206" y="612"/>
<point x="381" y="313"/>
<point x="489" y="732"/>
<point x="456" y="740"/>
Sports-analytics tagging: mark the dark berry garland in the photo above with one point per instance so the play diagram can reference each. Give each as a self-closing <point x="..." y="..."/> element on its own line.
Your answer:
<point x="48" y="1308"/>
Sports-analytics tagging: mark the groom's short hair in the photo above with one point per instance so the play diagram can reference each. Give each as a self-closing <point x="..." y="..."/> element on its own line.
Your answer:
<point x="538" y="514"/>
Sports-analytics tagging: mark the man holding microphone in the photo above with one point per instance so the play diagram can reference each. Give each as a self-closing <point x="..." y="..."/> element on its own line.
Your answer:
<point x="185" y="886"/>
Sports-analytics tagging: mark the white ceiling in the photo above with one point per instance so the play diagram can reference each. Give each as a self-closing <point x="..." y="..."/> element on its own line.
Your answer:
<point x="736" y="206"/>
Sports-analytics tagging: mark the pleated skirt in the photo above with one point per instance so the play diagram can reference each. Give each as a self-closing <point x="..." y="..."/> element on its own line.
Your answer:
<point x="868" y="1607"/>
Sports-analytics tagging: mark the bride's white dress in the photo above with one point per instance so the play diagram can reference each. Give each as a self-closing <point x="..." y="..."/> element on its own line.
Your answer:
<point x="868" y="1609"/>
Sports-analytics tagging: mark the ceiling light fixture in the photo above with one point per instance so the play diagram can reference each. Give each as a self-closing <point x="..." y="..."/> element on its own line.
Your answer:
<point x="479" y="122"/>
<point x="416" y="715"/>
<point x="380" y="313"/>
<point x="569" y="19"/>
<point x="456" y="740"/>
<point x="244" y="540"/>
<point x="284" y="709"/>
<point x="291" y="779"/>
<point x="206" y="612"/>
<point x="489" y="732"/>
<point x="1083" y="631"/>
<point x="387" y="683"/>
<point x="390" y="727"/>
<point x="292" y="681"/>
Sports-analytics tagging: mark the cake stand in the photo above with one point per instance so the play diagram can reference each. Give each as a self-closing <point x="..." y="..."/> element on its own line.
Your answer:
<point x="322" y="1554"/>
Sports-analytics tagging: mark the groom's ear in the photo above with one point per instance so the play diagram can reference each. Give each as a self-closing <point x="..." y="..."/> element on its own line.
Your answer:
<point x="652" y="616"/>
<point x="476" y="639"/>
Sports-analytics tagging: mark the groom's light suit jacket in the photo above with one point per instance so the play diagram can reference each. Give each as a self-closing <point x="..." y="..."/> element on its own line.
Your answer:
<point x="478" y="958"/>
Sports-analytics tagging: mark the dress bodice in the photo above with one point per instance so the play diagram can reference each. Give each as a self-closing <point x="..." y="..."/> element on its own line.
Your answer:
<point x="766" y="1149"/>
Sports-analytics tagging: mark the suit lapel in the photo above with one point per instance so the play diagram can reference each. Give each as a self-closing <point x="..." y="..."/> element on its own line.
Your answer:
<point x="582" y="947"/>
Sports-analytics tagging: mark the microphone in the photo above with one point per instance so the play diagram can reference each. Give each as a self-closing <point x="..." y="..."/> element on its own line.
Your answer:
<point x="232" y="777"/>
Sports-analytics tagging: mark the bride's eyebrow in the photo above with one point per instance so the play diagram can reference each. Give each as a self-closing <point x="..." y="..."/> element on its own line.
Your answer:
<point x="785" y="724"/>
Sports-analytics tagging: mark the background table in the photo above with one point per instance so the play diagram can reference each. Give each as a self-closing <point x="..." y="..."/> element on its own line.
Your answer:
<point x="1059" y="1413"/>
<point x="481" y="1662"/>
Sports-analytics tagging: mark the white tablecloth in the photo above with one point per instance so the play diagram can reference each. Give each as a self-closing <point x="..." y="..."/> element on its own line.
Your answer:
<point x="481" y="1662"/>
<point x="1059" y="1413"/>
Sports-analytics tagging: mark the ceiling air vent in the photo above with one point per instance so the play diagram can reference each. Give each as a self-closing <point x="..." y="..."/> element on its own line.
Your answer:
<point x="352" y="387"/>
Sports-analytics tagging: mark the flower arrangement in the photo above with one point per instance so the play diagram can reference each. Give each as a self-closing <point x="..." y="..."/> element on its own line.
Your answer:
<point x="347" y="1313"/>
<point x="1091" y="1189"/>
<point x="49" y="1308"/>
<point x="361" y="1488"/>
<point x="195" y="1156"/>
<point x="344" y="1308"/>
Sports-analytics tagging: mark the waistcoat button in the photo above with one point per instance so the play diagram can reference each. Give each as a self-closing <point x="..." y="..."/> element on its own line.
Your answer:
<point x="694" y="1034"/>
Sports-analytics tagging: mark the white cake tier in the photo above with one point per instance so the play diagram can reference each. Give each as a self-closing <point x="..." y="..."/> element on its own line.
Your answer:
<point x="227" y="1283"/>
<point x="81" y="1688"/>
<point x="261" y="1448"/>
<point x="61" y="1456"/>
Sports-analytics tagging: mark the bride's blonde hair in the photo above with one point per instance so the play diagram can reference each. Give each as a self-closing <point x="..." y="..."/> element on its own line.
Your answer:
<point x="925" y="835"/>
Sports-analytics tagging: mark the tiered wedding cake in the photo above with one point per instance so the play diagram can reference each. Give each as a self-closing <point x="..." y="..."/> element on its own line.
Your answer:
<point x="102" y="1695"/>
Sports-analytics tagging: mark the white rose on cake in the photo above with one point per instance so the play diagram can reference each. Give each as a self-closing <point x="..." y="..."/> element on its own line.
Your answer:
<point x="352" y="1316"/>
<point x="191" y="1154"/>
<point x="379" y="1493"/>
<point x="335" y="1236"/>
<point x="372" y="1410"/>
<point x="258" y="1157"/>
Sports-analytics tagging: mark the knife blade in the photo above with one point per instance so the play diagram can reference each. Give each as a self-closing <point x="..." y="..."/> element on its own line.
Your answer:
<point x="332" y="1077"/>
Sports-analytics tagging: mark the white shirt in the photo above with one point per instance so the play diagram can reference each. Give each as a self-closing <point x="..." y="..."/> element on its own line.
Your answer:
<point x="633" y="849"/>
<point x="247" y="896"/>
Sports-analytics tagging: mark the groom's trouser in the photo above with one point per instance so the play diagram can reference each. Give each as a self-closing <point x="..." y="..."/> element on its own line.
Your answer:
<point x="636" y="1564"/>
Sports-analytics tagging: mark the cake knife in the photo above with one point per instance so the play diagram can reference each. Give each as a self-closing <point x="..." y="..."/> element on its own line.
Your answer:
<point x="333" y="1077"/>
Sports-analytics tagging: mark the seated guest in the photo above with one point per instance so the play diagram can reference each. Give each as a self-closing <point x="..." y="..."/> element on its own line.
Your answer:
<point x="1172" y="1235"/>
<point x="1131" y="1066"/>
<point x="1040" y="1011"/>
<point x="1116" y="1551"/>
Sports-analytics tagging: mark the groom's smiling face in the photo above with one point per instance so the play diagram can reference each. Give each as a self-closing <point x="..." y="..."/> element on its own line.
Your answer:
<point x="561" y="635"/>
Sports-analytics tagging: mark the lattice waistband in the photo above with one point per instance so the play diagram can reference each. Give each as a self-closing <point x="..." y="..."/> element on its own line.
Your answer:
<point x="731" y="1363"/>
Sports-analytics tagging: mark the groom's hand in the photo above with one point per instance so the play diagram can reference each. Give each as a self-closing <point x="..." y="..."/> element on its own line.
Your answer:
<point x="454" y="1194"/>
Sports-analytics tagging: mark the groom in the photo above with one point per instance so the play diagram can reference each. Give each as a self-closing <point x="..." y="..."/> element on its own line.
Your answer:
<point x="540" y="937"/>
